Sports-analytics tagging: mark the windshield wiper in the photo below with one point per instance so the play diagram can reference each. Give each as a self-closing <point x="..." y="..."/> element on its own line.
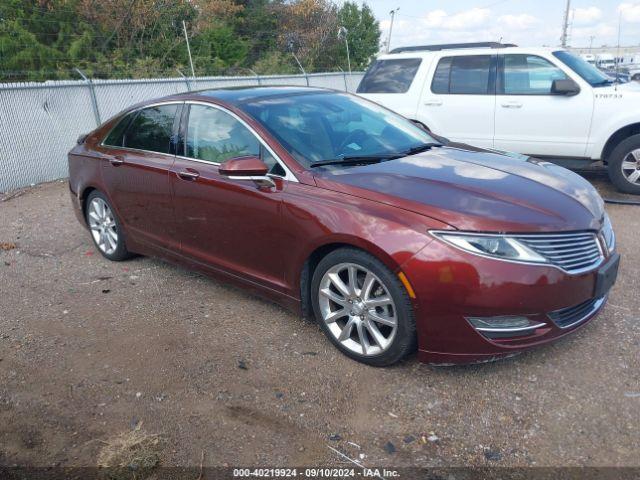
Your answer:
<point x="368" y="159"/>
<point x="421" y="148"/>
<point x="355" y="160"/>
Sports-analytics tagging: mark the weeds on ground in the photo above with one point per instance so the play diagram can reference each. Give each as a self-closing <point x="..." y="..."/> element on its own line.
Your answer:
<point x="131" y="455"/>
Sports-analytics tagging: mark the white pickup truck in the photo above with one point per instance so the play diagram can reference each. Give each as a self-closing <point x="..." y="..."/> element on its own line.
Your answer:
<point x="542" y="102"/>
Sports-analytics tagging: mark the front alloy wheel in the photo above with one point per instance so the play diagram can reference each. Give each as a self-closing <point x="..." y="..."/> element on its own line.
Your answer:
<point x="357" y="309"/>
<point x="631" y="167"/>
<point x="624" y="165"/>
<point x="363" y="308"/>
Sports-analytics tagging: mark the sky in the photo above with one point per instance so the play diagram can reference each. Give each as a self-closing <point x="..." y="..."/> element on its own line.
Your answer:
<point x="523" y="22"/>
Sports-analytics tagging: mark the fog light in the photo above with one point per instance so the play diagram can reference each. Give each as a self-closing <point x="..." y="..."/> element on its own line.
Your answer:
<point x="504" y="326"/>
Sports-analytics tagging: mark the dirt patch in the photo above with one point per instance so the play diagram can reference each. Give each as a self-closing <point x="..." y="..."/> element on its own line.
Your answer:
<point x="7" y="246"/>
<point x="165" y="347"/>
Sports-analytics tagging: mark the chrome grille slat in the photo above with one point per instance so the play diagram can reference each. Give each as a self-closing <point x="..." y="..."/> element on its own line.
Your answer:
<point x="580" y="243"/>
<point x="572" y="252"/>
<point x="564" y="251"/>
<point x="555" y="235"/>
<point x="558" y="241"/>
<point x="574" y="255"/>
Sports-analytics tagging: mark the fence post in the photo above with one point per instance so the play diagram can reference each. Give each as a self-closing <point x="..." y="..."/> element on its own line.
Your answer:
<point x="344" y="76"/>
<point x="92" y="93"/>
<point x="186" y="79"/>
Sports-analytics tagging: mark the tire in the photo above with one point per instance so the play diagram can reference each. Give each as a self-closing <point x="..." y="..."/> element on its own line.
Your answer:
<point x="105" y="228"/>
<point x="346" y="313"/>
<point x="621" y="163"/>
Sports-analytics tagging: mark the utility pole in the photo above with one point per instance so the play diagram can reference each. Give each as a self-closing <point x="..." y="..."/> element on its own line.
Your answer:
<point x="565" y="25"/>
<point x="393" y="15"/>
<point x="591" y="39"/>
<point x="186" y="37"/>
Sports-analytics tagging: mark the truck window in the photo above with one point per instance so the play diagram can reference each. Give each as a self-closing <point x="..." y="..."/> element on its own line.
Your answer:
<point x="529" y="75"/>
<point x="468" y="75"/>
<point x="389" y="76"/>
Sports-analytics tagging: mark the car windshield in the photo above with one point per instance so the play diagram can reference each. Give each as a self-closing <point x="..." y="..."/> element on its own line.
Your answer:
<point x="588" y="72"/>
<point x="333" y="128"/>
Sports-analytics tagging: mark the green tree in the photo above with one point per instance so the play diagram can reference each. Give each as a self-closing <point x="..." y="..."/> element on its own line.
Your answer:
<point x="47" y="39"/>
<point x="363" y="35"/>
<point x="274" y="63"/>
<point x="218" y="49"/>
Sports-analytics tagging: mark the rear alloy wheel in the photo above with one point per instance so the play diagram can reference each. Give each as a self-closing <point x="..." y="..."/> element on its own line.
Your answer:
<point x="624" y="165"/>
<point x="363" y="308"/>
<point x="105" y="228"/>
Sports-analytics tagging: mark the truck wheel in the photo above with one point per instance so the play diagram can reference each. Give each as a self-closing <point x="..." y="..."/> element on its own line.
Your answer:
<point x="624" y="165"/>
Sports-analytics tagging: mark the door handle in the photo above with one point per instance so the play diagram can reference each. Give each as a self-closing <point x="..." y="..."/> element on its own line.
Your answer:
<point x="116" y="160"/>
<point x="186" y="175"/>
<point x="511" y="105"/>
<point x="433" y="103"/>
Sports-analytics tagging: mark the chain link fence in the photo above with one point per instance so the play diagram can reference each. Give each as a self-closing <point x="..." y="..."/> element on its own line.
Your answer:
<point x="40" y="122"/>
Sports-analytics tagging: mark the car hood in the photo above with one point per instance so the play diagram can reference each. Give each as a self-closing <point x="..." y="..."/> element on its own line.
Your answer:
<point x="626" y="88"/>
<point x="479" y="191"/>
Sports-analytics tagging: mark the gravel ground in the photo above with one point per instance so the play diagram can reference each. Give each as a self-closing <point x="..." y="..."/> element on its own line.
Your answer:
<point x="90" y="350"/>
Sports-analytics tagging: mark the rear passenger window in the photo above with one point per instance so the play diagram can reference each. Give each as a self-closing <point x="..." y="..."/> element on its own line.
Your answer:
<point x="151" y="129"/>
<point x="467" y="75"/>
<point x="116" y="135"/>
<point x="389" y="76"/>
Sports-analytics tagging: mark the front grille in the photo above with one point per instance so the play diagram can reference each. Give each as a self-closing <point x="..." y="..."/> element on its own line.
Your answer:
<point x="572" y="252"/>
<point x="572" y="316"/>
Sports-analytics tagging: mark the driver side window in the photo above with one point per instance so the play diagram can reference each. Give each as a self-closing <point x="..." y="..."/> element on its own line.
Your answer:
<point x="529" y="75"/>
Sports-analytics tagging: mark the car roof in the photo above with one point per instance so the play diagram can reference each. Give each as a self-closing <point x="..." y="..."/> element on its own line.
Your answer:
<point x="468" y="51"/>
<point x="239" y="95"/>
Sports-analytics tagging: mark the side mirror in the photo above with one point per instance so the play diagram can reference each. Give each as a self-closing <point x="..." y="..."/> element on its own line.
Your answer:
<point x="566" y="87"/>
<point x="247" y="168"/>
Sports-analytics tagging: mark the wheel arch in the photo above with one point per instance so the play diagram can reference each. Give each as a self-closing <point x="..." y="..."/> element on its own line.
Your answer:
<point x="320" y="251"/>
<point x="84" y="195"/>
<point x="617" y="137"/>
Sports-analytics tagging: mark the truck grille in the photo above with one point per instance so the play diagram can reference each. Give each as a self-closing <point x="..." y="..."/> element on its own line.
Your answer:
<point x="571" y="316"/>
<point x="572" y="252"/>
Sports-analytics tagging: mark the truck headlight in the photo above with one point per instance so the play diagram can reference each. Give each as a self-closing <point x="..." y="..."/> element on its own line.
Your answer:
<point x="490" y="245"/>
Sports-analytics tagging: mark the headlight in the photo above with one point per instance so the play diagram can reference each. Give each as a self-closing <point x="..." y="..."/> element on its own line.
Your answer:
<point x="608" y="233"/>
<point x="491" y="245"/>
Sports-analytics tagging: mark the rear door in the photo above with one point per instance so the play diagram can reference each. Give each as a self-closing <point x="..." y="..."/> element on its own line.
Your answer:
<point x="532" y="120"/>
<point x="136" y="172"/>
<point x="458" y="100"/>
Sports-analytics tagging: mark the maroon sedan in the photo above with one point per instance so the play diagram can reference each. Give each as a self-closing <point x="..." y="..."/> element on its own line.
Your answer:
<point x="338" y="208"/>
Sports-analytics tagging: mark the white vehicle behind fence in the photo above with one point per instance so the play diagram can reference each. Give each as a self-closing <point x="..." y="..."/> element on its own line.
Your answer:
<point x="543" y="102"/>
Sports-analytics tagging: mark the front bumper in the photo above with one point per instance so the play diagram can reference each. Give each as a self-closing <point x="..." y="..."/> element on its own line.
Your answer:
<point x="452" y="285"/>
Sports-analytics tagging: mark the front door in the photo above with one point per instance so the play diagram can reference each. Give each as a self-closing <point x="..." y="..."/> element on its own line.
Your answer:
<point x="530" y="119"/>
<point x="229" y="224"/>
<point x="136" y="173"/>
